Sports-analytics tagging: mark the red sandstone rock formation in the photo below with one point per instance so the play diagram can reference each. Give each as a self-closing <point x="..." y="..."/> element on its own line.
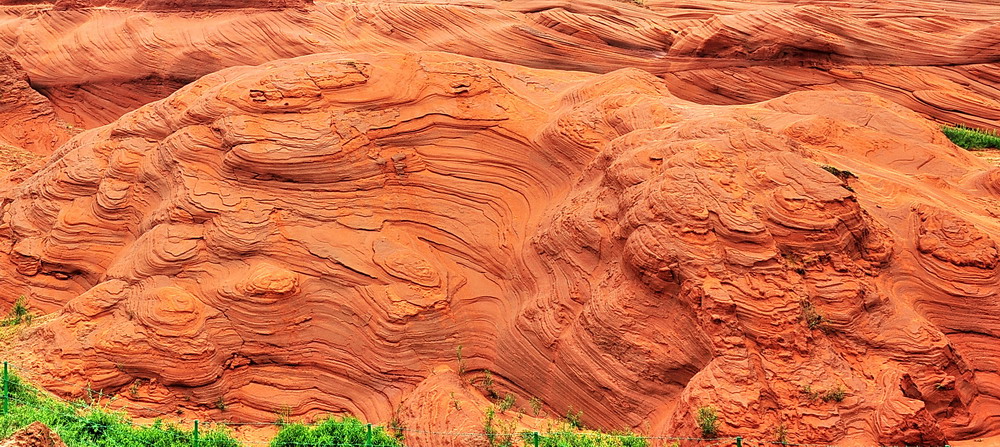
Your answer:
<point x="163" y="5"/>
<point x="34" y="435"/>
<point x="322" y="233"/>
<point x="181" y="5"/>
<point x="28" y="125"/>
<point x="937" y="57"/>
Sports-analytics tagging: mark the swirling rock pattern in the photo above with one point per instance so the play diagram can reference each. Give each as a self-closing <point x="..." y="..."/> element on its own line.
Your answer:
<point x="937" y="57"/>
<point x="28" y="123"/>
<point x="327" y="233"/>
<point x="162" y="5"/>
<point x="180" y="5"/>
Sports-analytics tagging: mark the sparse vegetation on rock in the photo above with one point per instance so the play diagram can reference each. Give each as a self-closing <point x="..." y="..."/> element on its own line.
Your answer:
<point x="506" y="403"/>
<point x="708" y="421"/>
<point x="836" y="394"/>
<point x="574" y="418"/>
<point x="19" y="313"/>
<point x="536" y="406"/>
<point x="498" y="432"/>
<point x="812" y="317"/>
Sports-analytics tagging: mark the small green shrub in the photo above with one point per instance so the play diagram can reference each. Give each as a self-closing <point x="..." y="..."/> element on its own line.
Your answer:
<point x="284" y="415"/>
<point x="812" y="317"/>
<point x="808" y="392"/>
<point x="489" y="428"/>
<point x="835" y="394"/>
<point x="461" y="361"/>
<point x="333" y="431"/>
<point x="397" y="427"/>
<point x="574" y="418"/>
<point x="843" y="175"/>
<point x="971" y="139"/>
<point x="488" y="385"/>
<point x="536" y="406"/>
<point x="18" y="314"/>
<point x="781" y="434"/>
<point x="497" y="432"/>
<point x="133" y="390"/>
<point x="708" y="421"/>
<point x="506" y="403"/>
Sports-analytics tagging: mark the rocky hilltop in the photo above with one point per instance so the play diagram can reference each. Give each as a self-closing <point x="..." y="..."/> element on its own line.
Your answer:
<point x="633" y="212"/>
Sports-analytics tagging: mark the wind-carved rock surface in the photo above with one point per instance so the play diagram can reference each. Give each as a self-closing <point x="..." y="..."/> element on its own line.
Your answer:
<point x="325" y="233"/>
<point x="937" y="57"/>
<point x="29" y="126"/>
<point x="28" y="123"/>
<point x="161" y="5"/>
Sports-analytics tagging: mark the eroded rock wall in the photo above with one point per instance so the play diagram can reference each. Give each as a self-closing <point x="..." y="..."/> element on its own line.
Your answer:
<point x="324" y="233"/>
<point x="936" y="57"/>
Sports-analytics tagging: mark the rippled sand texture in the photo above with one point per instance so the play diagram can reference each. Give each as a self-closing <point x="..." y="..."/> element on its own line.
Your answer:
<point x="937" y="57"/>
<point x="322" y="233"/>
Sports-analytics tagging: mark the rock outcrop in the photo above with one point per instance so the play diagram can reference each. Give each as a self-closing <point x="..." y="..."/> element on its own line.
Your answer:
<point x="34" y="435"/>
<point x="343" y="232"/>
<point x="28" y="124"/>
<point x="937" y="57"/>
<point x="161" y="5"/>
<point x="181" y="5"/>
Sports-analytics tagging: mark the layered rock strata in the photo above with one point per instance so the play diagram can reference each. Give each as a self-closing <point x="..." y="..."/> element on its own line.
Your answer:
<point x="364" y="233"/>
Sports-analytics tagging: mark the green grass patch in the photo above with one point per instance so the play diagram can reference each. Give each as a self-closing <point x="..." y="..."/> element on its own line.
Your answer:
<point x="569" y="438"/>
<point x="332" y="432"/>
<point x="972" y="139"/>
<point x="79" y="424"/>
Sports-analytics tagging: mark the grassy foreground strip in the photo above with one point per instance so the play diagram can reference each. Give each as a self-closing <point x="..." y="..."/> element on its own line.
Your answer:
<point x="83" y="425"/>
<point x="331" y="432"/>
<point x="79" y="424"/>
<point x="567" y="438"/>
<point x="972" y="139"/>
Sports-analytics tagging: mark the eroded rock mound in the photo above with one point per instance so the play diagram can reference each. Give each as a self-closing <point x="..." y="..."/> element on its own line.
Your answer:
<point x="327" y="233"/>
<point x="35" y="435"/>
